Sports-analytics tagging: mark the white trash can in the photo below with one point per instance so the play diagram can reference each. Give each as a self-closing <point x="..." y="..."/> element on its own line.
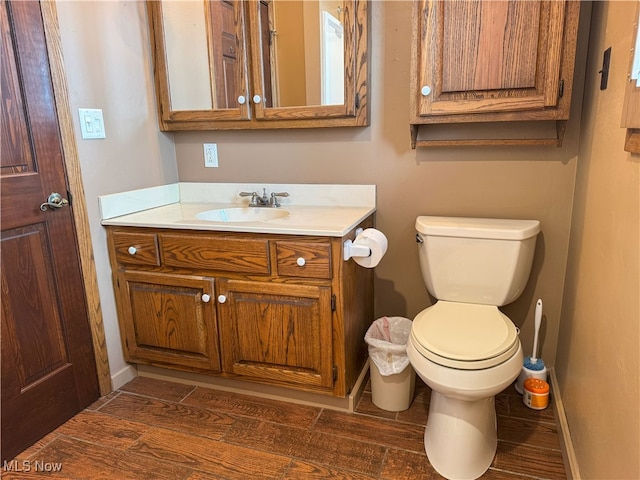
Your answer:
<point x="392" y="377"/>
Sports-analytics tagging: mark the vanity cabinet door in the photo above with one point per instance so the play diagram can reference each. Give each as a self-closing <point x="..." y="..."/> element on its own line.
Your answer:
<point x="277" y="333"/>
<point x="168" y="320"/>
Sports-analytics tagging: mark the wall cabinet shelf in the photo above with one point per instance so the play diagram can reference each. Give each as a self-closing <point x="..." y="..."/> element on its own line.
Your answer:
<point x="256" y="64"/>
<point x="284" y="310"/>
<point x="476" y="62"/>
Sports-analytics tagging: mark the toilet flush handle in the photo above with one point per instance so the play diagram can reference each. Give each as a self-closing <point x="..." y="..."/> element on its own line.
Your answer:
<point x="419" y="238"/>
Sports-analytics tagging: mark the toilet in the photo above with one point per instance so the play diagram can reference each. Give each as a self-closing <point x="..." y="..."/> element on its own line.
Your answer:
<point x="463" y="347"/>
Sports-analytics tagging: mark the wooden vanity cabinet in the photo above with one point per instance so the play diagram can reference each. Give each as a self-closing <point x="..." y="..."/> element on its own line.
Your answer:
<point x="285" y="310"/>
<point x="476" y="61"/>
<point x="277" y="331"/>
<point x="167" y="318"/>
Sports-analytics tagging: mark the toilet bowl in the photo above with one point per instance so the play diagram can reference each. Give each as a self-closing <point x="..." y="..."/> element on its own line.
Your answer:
<point x="463" y="347"/>
<point x="460" y="436"/>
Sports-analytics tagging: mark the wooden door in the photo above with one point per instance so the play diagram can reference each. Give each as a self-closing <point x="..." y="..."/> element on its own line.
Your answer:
<point x="48" y="366"/>
<point x="223" y="53"/>
<point x="478" y="56"/>
<point x="168" y="319"/>
<point x="278" y="333"/>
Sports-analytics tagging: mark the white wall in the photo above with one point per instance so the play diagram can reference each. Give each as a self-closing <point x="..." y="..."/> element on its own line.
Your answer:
<point x="108" y="66"/>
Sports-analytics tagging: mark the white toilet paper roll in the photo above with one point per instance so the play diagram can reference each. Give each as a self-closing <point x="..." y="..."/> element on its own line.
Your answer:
<point x="377" y="243"/>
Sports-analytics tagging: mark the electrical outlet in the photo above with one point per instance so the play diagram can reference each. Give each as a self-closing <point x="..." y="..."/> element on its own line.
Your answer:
<point x="210" y="155"/>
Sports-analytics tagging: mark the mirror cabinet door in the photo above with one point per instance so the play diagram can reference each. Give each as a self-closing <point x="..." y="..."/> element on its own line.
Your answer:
<point x="233" y="64"/>
<point x="199" y="57"/>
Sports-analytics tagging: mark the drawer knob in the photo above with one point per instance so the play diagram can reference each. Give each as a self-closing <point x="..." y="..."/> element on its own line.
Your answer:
<point x="222" y="298"/>
<point x="132" y="250"/>
<point x="206" y="298"/>
<point x="301" y="261"/>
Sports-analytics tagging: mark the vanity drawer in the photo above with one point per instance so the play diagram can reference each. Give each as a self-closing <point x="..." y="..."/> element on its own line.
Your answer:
<point x="242" y="255"/>
<point x="136" y="248"/>
<point x="304" y="259"/>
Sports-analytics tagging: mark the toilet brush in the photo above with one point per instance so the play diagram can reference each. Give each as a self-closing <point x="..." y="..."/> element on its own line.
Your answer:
<point x="533" y="366"/>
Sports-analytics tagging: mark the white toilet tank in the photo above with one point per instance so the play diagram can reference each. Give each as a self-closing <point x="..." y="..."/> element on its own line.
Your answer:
<point x="476" y="260"/>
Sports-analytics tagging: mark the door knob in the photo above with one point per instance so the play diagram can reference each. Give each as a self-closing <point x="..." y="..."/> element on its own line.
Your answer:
<point x="55" y="200"/>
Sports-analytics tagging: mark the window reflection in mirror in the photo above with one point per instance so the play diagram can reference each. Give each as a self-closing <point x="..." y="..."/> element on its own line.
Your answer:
<point x="303" y="52"/>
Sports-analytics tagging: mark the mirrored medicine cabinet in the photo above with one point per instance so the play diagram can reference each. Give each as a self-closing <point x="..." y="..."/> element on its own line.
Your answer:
<point x="247" y="64"/>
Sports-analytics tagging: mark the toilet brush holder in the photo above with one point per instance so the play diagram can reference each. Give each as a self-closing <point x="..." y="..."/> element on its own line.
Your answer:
<point x="530" y="370"/>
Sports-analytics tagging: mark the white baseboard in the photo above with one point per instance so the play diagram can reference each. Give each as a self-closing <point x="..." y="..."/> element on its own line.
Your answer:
<point x="566" y="445"/>
<point x="124" y="376"/>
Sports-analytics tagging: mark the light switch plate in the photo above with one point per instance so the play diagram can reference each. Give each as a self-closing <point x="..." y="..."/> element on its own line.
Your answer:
<point x="91" y="123"/>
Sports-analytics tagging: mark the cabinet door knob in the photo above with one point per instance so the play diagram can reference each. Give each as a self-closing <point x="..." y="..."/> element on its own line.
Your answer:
<point x="241" y="99"/>
<point x="132" y="250"/>
<point x="257" y="99"/>
<point x="301" y="261"/>
<point x="426" y="90"/>
<point x="222" y="298"/>
<point x="206" y="298"/>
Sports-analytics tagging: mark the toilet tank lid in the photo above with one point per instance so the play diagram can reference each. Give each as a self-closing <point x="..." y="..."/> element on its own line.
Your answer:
<point x="466" y="227"/>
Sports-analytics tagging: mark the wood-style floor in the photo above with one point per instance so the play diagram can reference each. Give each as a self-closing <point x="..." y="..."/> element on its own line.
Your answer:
<point x="150" y="429"/>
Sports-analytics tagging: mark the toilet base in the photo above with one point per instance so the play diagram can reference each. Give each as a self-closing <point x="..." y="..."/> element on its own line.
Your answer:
<point x="461" y="436"/>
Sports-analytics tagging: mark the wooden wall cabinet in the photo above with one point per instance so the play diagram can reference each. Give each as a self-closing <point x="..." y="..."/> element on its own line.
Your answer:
<point x="285" y="310"/>
<point x="476" y="61"/>
<point x="227" y="73"/>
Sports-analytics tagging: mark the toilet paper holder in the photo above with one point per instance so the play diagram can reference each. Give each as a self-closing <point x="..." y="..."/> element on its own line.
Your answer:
<point x="351" y="249"/>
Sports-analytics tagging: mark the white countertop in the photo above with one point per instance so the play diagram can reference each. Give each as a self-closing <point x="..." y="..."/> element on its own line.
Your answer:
<point x="324" y="210"/>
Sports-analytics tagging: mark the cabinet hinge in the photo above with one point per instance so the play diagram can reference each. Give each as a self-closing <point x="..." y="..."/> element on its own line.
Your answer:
<point x="333" y="303"/>
<point x="561" y="89"/>
<point x="70" y="198"/>
<point x="357" y="101"/>
<point x="335" y="373"/>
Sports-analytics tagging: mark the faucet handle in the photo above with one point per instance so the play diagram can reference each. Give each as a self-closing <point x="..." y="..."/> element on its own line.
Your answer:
<point x="273" y="201"/>
<point x="253" y="195"/>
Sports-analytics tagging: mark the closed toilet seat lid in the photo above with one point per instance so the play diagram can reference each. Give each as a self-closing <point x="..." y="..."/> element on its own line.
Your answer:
<point x="464" y="336"/>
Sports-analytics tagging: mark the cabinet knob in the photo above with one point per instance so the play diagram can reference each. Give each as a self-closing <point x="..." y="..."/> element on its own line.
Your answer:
<point x="257" y="99"/>
<point x="132" y="250"/>
<point x="222" y="298"/>
<point x="241" y="99"/>
<point x="426" y="90"/>
<point x="301" y="261"/>
<point x="206" y="298"/>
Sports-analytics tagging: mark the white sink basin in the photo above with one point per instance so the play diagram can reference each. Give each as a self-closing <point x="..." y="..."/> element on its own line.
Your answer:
<point x="242" y="214"/>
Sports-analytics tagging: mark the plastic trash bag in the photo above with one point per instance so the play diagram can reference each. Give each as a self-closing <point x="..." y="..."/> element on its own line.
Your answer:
<point x="387" y="338"/>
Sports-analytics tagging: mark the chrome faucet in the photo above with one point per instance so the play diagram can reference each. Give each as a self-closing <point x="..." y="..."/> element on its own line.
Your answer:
<point x="264" y="201"/>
